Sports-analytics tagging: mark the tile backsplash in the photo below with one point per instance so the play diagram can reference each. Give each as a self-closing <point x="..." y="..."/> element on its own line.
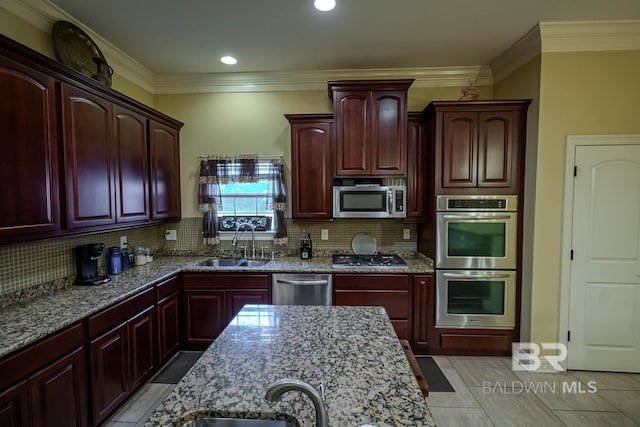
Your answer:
<point x="27" y="265"/>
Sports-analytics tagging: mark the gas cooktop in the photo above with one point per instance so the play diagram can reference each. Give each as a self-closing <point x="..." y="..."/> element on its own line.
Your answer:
<point x="372" y="261"/>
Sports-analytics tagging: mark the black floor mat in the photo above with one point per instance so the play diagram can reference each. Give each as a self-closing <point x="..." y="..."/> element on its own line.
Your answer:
<point x="173" y="371"/>
<point x="434" y="376"/>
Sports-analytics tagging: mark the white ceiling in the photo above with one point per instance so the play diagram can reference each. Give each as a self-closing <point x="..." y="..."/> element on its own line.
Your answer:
<point x="189" y="36"/>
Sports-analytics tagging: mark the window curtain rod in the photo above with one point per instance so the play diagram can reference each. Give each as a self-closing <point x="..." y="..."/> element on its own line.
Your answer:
<point x="236" y="157"/>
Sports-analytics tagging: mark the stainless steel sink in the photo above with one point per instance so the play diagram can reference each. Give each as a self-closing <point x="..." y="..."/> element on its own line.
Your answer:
<point x="234" y="422"/>
<point x="233" y="262"/>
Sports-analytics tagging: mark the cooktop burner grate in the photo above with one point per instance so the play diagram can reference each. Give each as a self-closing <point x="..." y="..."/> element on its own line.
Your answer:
<point x="373" y="261"/>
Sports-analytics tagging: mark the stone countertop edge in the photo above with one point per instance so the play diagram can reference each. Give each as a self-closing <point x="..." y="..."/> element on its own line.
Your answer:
<point x="353" y="351"/>
<point x="26" y="322"/>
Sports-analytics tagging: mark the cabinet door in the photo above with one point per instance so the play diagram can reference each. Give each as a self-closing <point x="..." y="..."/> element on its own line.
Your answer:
<point x="236" y="299"/>
<point x="311" y="168"/>
<point x="109" y="371"/>
<point x="14" y="406"/>
<point x="205" y="315"/>
<point x="142" y="347"/>
<point x="353" y="139"/>
<point x="388" y="133"/>
<point x="168" y="327"/>
<point x="88" y="159"/>
<point x="28" y="139"/>
<point x="423" y="312"/>
<point x="459" y="149"/>
<point x="416" y="173"/>
<point x="164" y="150"/>
<point x="496" y="151"/>
<point x="132" y="157"/>
<point x="58" y="393"/>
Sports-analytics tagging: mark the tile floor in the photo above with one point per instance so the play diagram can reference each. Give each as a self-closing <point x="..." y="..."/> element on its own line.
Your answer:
<point x="489" y="393"/>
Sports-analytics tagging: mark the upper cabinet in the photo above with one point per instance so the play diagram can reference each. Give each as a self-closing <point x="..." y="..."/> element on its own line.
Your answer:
<point x="164" y="148"/>
<point x="371" y="127"/>
<point x="417" y="173"/>
<point x="29" y="142"/>
<point x="478" y="145"/>
<point x="81" y="157"/>
<point x="311" y="136"/>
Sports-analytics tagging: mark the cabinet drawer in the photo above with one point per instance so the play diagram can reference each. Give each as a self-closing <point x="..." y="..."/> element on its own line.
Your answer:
<point x="226" y="281"/>
<point x="476" y="342"/>
<point x="387" y="282"/>
<point x="397" y="303"/>
<point x="121" y="311"/>
<point x="19" y="365"/>
<point x="166" y="288"/>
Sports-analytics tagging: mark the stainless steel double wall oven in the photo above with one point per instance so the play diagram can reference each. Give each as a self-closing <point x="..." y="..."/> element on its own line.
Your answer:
<point x="476" y="258"/>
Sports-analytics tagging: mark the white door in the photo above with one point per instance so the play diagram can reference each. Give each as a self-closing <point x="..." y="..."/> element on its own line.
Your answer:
<point x="604" y="294"/>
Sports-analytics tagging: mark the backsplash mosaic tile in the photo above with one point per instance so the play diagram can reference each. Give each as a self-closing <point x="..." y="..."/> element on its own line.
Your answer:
<point x="32" y="268"/>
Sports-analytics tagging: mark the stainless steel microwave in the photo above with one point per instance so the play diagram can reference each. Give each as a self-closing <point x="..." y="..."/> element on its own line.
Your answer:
<point x="369" y="201"/>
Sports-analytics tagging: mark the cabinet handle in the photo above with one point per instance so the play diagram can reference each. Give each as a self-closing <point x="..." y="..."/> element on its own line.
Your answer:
<point x="422" y="282"/>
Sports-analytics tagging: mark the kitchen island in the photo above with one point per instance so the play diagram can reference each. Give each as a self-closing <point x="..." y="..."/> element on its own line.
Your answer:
<point x="352" y="351"/>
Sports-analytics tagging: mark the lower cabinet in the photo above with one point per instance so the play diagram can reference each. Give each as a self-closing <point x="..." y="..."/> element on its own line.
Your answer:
<point x="14" y="406"/>
<point x="423" y="312"/>
<point x="125" y="355"/>
<point x="391" y="291"/>
<point x="169" y="337"/>
<point x="213" y="300"/>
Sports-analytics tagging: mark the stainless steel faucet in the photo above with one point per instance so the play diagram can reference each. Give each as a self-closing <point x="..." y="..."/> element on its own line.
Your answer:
<point x="236" y="238"/>
<point x="278" y="388"/>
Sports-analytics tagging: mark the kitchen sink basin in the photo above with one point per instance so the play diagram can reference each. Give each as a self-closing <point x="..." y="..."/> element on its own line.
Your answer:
<point x="233" y="262"/>
<point x="234" y="422"/>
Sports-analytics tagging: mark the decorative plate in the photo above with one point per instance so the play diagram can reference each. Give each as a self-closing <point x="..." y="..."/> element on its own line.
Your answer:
<point x="364" y="244"/>
<point x="74" y="48"/>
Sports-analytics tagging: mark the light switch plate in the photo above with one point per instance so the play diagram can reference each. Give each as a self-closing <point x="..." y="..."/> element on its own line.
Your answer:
<point x="406" y="234"/>
<point x="171" y="235"/>
<point x="123" y="241"/>
<point x="324" y="234"/>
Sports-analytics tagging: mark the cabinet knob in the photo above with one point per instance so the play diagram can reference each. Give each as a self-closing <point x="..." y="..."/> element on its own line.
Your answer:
<point x="423" y="282"/>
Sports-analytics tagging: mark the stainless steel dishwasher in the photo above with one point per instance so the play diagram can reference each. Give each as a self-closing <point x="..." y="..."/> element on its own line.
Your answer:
<point x="302" y="289"/>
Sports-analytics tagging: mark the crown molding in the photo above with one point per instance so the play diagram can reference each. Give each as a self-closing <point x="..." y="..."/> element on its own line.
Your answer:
<point x="521" y="52"/>
<point x="590" y="36"/>
<point x="42" y="14"/>
<point x="317" y="80"/>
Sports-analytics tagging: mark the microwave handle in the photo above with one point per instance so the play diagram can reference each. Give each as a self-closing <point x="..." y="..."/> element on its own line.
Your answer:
<point x="471" y="276"/>
<point x="476" y="218"/>
<point x="389" y="201"/>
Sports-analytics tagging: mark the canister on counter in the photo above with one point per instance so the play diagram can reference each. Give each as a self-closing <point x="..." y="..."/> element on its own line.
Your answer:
<point x="115" y="260"/>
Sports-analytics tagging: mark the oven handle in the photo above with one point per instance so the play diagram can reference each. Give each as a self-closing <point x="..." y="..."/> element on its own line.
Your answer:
<point x="302" y="282"/>
<point x="471" y="276"/>
<point x="477" y="218"/>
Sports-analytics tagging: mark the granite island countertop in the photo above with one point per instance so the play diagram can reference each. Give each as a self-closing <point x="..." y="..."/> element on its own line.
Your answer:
<point x="353" y="351"/>
<point x="27" y="321"/>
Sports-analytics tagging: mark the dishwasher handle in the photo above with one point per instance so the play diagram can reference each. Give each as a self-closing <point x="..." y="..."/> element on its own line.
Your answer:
<point x="303" y="282"/>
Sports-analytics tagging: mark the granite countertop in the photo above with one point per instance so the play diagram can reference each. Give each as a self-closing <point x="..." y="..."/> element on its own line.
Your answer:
<point x="28" y="321"/>
<point x="353" y="351"/>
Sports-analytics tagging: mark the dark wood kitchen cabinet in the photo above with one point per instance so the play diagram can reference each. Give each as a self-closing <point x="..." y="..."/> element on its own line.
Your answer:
<point x="168" y="296"/>
<point x="164" y="150"/>
<point x="417" y="174"/>
<point x="479" y="145"/>
<point x="371" y="127"/>
<point x="46" y="383"/>
<point x="29" y="144"/>
<point x="123" y="351"/>
<point x="311" y="138"/>
<point x="213" y="300"/>
<point x="423" y="312"/>
<point x="88" y="158"/>
<point x="391" y="291"/>
<point x="132" y="161"/>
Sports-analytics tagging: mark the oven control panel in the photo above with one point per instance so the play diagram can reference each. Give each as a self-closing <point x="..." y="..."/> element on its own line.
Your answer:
<point x="477" y="203"/>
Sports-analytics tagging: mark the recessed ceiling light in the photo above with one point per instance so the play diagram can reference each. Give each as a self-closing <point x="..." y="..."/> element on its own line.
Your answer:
<point x="324" y="5"/>
<point x="229" y="60"/>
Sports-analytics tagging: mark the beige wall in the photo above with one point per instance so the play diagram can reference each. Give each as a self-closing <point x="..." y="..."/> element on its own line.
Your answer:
<point x="580" y="93"/>
<point x="524" y="83"/>
<point x="21" y="31"/>
<point x="238" y="123"/>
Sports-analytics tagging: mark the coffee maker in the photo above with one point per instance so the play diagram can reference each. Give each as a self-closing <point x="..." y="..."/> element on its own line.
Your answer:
<point x="87" y="264"/>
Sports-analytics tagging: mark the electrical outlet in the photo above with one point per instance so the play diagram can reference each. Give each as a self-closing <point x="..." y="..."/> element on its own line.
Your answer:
<point x="406" y="234"/>
<point x="324" y="234"/>
<point x="123" y="241"/>
<point x="171" y="235"/>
